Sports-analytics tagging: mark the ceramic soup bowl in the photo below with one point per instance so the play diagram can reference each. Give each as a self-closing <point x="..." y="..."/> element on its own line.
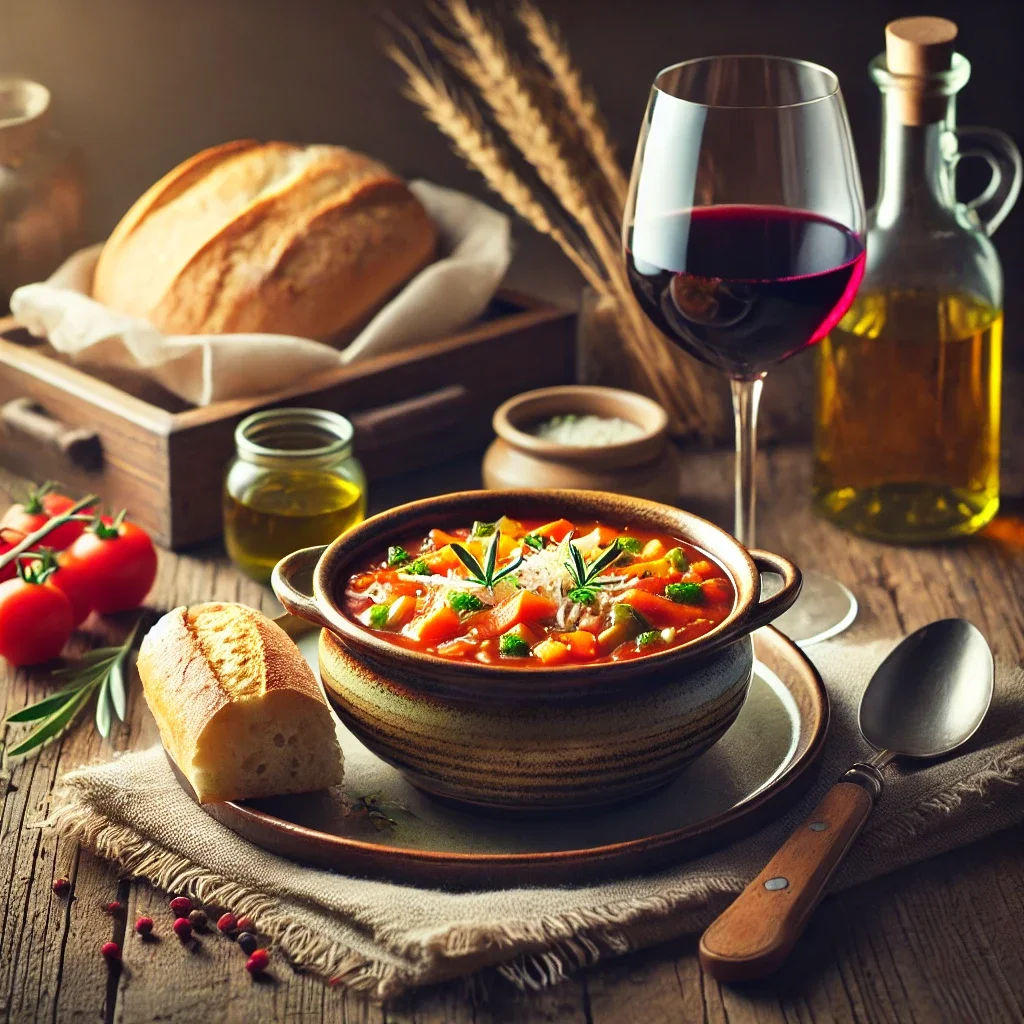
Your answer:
<point x="524" y="736"/>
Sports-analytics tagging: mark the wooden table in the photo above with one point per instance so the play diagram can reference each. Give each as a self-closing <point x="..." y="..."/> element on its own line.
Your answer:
<point x="943" y="940"/>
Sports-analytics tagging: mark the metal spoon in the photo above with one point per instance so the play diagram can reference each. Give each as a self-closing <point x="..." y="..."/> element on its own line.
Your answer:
<point x="927" y="698"/>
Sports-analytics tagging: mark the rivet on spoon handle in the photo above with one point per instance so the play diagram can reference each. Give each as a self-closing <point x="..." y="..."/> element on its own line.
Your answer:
<point x="755" y="934"/>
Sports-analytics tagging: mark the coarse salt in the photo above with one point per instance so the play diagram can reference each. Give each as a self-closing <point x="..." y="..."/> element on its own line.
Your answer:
<point x="587" y="431"/>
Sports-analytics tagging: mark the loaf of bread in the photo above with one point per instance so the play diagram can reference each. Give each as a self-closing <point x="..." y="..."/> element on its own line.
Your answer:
<point x="266" y="237"/>
<point x="239" y="710"/>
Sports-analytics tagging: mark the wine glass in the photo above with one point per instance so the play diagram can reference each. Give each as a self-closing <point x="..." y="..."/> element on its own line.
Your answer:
<point x="744" y="242"/>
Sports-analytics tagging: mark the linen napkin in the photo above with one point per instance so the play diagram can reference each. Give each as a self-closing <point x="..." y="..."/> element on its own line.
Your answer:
<point x="204" y="368"/>
<point x="386" y="938"/>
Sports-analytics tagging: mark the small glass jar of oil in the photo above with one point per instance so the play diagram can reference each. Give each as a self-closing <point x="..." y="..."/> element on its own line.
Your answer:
<point x="293" y="483"/>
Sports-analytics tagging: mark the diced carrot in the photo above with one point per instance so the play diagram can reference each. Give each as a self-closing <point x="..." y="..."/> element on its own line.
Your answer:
<point x="657" y="567"/>
<point x="401" y="611"/>
<point x="657" y="584"/>
<point x="524" y="606"/>
<point x="456" y="648"/>
<point x="440" y="539"/>
<point x="704" y="569"/>
<point x="442" y="560"/>
<point x="581" y="644"/>
<point x="525" y="633"/>
<point x="660" y="611"/>
<point x="551" y="652"/>
<point x="653" y="549"/>
<point x="717" y="590"/>
<point x="556" y="531"/>
<point x="435" y="625"/>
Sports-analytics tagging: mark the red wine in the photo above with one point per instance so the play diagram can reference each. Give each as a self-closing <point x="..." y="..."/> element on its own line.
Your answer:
<point x="744" y="287"/>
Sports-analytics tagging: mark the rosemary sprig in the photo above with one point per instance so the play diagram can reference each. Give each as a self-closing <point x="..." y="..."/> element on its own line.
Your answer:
<point x="101" y="672"/>
<point x="485" y="574"/>
<point x="26" y="543"/>
<point x="585" y="577"/>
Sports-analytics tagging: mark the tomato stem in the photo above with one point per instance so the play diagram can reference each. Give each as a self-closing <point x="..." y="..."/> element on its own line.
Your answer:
<point x="47" y="528"/>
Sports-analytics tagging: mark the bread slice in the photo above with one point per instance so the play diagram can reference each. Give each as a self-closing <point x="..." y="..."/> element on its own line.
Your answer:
<point x="303" y="240"/>
<point x="238" y="708"/>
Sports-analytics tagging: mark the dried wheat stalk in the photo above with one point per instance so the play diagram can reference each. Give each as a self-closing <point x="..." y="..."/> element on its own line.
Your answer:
<point x="579" y="101"/>
<point x="478" y="148"/>
<point x="480" y="55"/>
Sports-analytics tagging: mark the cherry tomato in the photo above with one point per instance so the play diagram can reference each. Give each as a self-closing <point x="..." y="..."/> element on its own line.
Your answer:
<point x="42" y="504"/>
<point x="8" y="572"/>
<point x="69" y="577"/>
<point x="35" y="621"/>
<point x="116" y="561"/>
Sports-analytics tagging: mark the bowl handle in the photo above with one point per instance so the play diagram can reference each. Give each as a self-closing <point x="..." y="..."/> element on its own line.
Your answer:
<point x="299" y="565"/>
<point x="772" y="607"/>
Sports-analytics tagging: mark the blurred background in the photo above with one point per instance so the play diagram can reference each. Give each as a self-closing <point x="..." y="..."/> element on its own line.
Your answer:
<point x="141" y="84"/>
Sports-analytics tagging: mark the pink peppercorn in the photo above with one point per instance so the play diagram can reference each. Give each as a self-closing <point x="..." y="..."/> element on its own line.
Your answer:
<point x="257" y="963"/>
<point x="111" y="951"/>
<point x="227" y="923"/>
<point x="334" y="982"/>
<point x="181" y="905"/>
<point x="61" y="885"/>
<point x="245" y="924"/>
<point x="144" y="926"/>
<point x="182" y="929"/>
<point x="113" y="907"/>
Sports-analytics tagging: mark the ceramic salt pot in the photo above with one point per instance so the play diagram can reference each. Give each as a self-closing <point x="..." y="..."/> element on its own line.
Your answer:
<point x="584" y="438"/>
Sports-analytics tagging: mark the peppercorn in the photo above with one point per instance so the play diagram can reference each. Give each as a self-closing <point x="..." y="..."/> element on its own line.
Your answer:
<point x="227" y="923"/>
<point x="61" y="885"/>
<point x="111" y="951"/>
<point x="245" y="924"/>
<point x="257" y="963"/>
<point x="248" y="942"/>
<point x="144" y="926"/>
<point x="181" y="905"/>
<point x="334" y="982"/>
<point x="113" y="907"/>
<point x="182" y="929"/>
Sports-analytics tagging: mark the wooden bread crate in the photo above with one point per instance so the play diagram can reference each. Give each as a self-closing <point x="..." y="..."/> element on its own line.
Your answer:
<point x="140" y="447"/>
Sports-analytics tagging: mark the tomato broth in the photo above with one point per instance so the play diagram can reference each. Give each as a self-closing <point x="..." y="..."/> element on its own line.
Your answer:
<point x="541" y="593"/>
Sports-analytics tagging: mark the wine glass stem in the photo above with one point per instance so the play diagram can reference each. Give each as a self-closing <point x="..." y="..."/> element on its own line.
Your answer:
<point x="746" y="396"/>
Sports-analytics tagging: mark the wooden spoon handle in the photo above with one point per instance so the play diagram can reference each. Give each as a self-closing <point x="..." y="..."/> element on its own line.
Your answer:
<point x="754" y="935"/>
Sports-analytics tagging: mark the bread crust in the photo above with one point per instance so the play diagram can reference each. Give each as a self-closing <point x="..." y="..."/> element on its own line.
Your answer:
<point x="183" y="687"/>
<point x="266" y="238"/>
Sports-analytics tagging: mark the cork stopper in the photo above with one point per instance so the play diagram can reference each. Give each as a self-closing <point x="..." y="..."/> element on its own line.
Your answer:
<point x="916" y="48"/>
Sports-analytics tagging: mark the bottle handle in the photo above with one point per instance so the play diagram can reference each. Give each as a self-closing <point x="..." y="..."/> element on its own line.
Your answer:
<point x="998" y="150"/>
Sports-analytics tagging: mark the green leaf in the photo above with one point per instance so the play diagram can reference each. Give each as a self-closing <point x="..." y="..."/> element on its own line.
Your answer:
<point x="93" y="657"/>
<point x="603" y="561"/>
<point x="467" y="559"/>
<point x="508" y="570"/>
<point x="492" y="559"/>
<point x="397" y="555"/>
<point x="53" y="726"/>
<point x="44" y="707"/>
<point x="103" y="708"/>
<point x="483" y="529"/>
<point x="118" y="692"/>
<point x="534" y="541"/>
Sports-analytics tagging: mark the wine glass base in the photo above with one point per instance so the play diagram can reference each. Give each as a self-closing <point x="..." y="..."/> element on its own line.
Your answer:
<point x="824" y="609"/>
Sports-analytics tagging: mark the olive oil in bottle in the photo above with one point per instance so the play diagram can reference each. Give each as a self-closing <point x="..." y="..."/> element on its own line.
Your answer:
<point x="907" y="417"/>
<point x="906" y="433"/>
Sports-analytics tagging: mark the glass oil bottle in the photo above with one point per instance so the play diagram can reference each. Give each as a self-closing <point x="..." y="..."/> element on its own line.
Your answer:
<point x="908" y="384"/>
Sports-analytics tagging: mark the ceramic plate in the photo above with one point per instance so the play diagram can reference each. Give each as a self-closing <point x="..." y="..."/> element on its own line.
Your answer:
<point x="379" y="825"/>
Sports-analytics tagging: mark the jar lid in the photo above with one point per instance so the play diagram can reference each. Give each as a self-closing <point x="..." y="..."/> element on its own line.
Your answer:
<point x="288" y="436"/>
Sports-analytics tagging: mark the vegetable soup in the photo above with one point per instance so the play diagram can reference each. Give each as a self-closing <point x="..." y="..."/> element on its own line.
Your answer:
<point x="542" y="593"/>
